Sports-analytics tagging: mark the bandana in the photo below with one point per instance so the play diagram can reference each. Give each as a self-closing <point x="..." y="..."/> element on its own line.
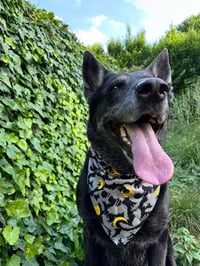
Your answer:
<point x="121" y="201"/>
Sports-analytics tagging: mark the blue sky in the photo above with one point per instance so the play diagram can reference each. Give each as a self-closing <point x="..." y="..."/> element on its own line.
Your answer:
<point x="100" y="20"/>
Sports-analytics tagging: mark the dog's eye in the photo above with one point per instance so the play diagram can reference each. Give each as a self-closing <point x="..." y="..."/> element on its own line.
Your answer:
<point x="116" y="87"/>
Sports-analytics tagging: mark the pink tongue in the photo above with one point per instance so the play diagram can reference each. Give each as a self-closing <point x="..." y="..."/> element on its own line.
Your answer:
<point x="151" y="163"/>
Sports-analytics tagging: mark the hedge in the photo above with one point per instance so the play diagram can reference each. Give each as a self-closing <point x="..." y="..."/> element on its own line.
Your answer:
<point x="42" y="137"/>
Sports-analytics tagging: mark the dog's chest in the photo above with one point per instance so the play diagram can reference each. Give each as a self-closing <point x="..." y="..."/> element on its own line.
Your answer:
<point x="122" y="202"/>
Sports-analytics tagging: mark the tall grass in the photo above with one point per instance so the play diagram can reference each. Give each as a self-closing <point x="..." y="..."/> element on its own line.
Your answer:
<point x="186" y="106"/>
<point x="183" y="145"/>
<point x="183" y="142"/>
<point x="185" y="209"/>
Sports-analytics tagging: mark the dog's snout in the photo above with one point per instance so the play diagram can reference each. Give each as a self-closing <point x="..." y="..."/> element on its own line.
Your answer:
<point x="152" y="87"/>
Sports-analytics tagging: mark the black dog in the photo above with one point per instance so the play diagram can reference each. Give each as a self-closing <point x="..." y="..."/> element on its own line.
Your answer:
<point x="122" y="192"/>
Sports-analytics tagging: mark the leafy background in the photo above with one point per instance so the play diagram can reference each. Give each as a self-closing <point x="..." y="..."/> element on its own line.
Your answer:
<point x="42" y="136"/>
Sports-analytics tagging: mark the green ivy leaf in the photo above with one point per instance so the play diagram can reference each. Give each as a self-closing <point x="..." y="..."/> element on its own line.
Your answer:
<point x="7" y="167"/>
<point x="3" y="139"/>
<point x="11" y="234"/>
<point x="13" y="138"/>
<point x="36" y="145"/>
<point x="14" y="260"/>
<point x="22" y="144"/>
<point x="5" y="78"/>
<point x="9" y="41"/>
<point x="20" y="180"/>
<point x="12" y="151"/>
<point x="2" y="201"/>
<point x="52" y="216"/>
<point x="29" y="238"/>
<point x="18" y="208"/>
<point x="6" y="187"/>
<point x="33" y="249"/>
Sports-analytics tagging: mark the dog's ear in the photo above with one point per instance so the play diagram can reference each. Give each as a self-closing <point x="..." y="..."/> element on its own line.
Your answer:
<point x="160" y="67"/>
<point x="93" y="73"/>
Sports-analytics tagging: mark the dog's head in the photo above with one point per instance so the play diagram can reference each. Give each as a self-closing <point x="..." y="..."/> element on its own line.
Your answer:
<point x="128" y="112"/>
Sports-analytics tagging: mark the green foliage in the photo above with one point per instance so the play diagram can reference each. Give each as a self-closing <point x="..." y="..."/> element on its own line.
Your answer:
<point x="42" y="138"/>
<point x="187" y="248"/>
<point x="190" y="24"/>
<point x="96" y="49"/>
<point x="184" y="208"/>
<point x="184" y="54"/>
<point x="107" y="60"/>
<point x="184" y="131"/>
<point x="186" y="106"/>
<point x="183" y="146"/>
<point x="130" y="52"/>
<point x="182" y="41"/>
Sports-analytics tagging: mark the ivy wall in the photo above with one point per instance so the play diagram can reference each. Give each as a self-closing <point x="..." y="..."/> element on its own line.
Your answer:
<point x="42" y="137"/>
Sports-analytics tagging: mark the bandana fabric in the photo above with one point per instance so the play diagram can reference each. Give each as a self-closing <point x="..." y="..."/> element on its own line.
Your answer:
<point x="121" y="201"/>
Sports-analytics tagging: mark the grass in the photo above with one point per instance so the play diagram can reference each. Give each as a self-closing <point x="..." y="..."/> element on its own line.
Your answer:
<point x="185" y="209"/>
<point x="183" y="146"/>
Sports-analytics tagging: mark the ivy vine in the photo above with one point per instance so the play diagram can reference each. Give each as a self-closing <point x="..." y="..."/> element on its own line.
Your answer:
<point x="42" y="137"/>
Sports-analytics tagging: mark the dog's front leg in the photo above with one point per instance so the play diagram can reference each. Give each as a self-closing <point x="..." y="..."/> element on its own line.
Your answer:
<point x="158" y="254"/>
<point x="170" y="254"/>
<point x="94" y="254"/>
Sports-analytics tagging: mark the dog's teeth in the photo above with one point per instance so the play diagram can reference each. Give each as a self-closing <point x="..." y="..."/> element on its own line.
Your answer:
<point x="126" y="140"/>
<point x="122" y="132"/>
<point x="124" y="136"/>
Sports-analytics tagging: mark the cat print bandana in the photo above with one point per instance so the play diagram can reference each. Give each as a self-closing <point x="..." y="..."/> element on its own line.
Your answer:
<point x="121" y="201"/>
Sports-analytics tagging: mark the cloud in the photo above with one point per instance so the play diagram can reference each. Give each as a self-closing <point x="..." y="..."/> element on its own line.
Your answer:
<point x="91" y="36"/>
<point x="116" y="24"/>
<point x="98" y="20"/>
<point x="97" y="31"/>
<point x="158" y="15"/>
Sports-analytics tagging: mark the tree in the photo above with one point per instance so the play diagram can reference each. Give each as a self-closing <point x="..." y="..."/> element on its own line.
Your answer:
<point x="130" y="52"/>
<point x="190" y="24"/>
<point x="96" y="48"/>
<point x="115" y="48"/>
<point x="184" y="54"/>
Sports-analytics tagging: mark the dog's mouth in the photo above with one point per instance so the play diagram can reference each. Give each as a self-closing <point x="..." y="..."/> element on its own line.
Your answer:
<point x="150" y="162"/>
<point x="120" y="129"/>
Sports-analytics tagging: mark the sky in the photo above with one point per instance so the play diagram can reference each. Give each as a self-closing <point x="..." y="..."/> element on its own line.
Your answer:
<point x="98" y="21"/>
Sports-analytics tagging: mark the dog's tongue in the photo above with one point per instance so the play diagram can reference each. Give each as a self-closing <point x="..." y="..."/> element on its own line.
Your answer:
<point x="150" y="163"/>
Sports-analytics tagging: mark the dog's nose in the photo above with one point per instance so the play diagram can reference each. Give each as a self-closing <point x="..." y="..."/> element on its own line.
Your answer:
<point x="152" y="87"/>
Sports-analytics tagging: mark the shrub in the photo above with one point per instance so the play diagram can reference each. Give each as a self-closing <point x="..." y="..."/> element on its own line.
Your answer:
<point x="42" y="141"/>
<point x="187" y="248"/>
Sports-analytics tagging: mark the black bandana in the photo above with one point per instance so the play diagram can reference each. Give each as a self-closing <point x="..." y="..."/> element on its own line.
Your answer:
<point x="122" y="201"/>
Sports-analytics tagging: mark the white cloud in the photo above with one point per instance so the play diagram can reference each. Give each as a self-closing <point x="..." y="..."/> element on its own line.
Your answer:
<point x="116" y="24"/>
<point x="98" y="20"/>
<point x="160" y="14"/>
<point x="95" y="33"/>
<point x="91" y="36"/>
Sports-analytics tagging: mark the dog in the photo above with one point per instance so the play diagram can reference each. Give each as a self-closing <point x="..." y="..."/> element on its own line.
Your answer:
<point x="122" y="191"/>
